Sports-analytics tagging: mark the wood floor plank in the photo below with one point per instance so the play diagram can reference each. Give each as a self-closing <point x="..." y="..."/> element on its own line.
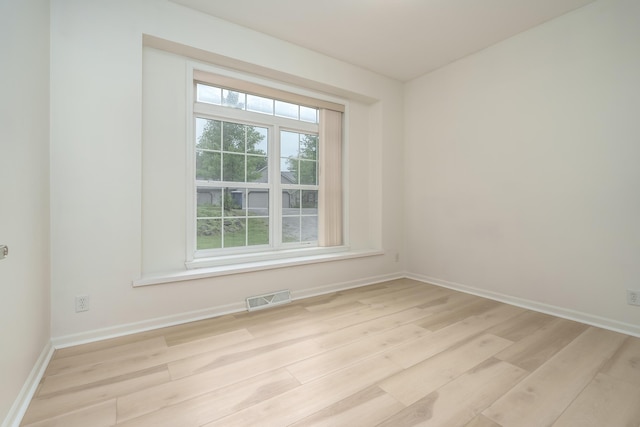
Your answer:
<point x="419" y="380"/>
<point x="310" y="322"/>
<point x="625" y="363"/>
<point x="109" y="343"/>
<point x="521" y="326"/>
<point x="102" y="414"/>
<point x="458" y="402"/>
<point x="122" y="354"/>
<point x="312" y="397"/>
<point x="482" y="421"/>
<point x="457" y="312"/>
<point x="199" y="329"/>
<point x="60" y="365"/>
<point x="340" y="337"/>
<point x="532" y="351"/>
<point x="258" y="347"/>
<point x="155" y="354"/>
<point x="261" y="325"/>
<point x="374" y="311"/>
<point x="540" y="398"/>
<point x="335" y="310"/>
<point x="605" y="402"/>
<point x="324" y="302"/>
<point x="424" y="348"/>
<point x="449" y="300"/>
<point x="365" y="408"/>
<point x="219" y="403"/>
<point x="101" y="371"/>
<point x="54" y="405"/>
<point x="395" y="295"/>
<point x="210" y="379"/>
<point x="341" y="357"/>
<point x="220" y="342"/>
<point x="245" y="318"/>
<point x="204" y="331"/>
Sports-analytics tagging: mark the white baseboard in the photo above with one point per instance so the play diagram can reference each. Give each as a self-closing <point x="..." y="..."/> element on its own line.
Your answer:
<point x="145" y="325"/>
<point x="21" y="403"/>
<point x="177" y="319"/>
<point x="589" y="319"/>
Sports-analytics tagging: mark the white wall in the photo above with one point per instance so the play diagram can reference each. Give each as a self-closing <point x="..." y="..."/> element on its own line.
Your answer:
<point x="522" y="167"/>
<point x="24" y="192"/>
<point x="96" y="91"/>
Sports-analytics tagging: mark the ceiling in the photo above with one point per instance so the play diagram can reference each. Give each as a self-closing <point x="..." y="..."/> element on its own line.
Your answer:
<point x="401" y="39"/>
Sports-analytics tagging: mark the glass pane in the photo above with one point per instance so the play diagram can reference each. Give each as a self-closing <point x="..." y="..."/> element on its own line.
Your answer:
<point x="309" y="229"/>
<point x="309" y="202"/>
<point x="235" y="202"/>
<point x="233" y="137"/>
<point x="258" y="231"/>
<point x="289" y="144"/>
<point x="235" y="233"/>
<point x="208" y="134"/>
<point x="307" y="172"/>
<point x="259" y="104"/>
<point x="308" y="114"/>
<point x="207" y="166"/>
<point x="233" y="99"/>
<point x="286" y="175"/>
<point x="285" y="109"/>
<point x="209" y="234"/>
<point x="257" y="170"/>
<point x="208" y="94"/>
<point x="257" y="140"/>
<point x="258" y="202"/>
<point x="233" y="166"/>
<point x="290" y="202"/>
<point x="308" y="146"/>
<point x="290" y="229"/>
<point x="209" y="202"/>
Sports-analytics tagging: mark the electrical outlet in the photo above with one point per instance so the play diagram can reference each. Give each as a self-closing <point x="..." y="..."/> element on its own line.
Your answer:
<point x="82" y="303"/>
<point x="633" y="297"/>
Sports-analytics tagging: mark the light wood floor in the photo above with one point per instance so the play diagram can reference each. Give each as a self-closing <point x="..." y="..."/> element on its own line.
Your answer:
<point x="399" y="353"/>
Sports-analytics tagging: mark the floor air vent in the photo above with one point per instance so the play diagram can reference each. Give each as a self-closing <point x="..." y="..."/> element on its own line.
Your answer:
<point x="259" y="302"/>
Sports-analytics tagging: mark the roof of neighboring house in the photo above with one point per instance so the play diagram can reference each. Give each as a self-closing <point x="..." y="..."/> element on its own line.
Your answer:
<point x="288" y="177"/>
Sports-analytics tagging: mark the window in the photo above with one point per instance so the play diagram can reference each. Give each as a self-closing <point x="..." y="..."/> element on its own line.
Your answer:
<point x="229" y="157"/>
<point x="257" y="156"/>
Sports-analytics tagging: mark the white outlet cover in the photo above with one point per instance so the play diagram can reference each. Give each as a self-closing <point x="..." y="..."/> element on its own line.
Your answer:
<point x="633" y="297"/>
<point x="82" y="303"/>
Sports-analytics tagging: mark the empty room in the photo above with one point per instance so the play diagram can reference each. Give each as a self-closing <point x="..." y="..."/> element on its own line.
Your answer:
<point x="337" y="213"/>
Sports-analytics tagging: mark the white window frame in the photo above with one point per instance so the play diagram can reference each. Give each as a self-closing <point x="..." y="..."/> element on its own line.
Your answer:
<point x="275" y="251"/>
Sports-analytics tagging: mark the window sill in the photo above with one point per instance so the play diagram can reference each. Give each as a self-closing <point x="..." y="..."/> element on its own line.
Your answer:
<point x="224" y="270"/>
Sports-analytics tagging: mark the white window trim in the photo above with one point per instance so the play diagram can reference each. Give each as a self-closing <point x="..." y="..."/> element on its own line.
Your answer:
<point x="251" y="261"/>
<point x="248" y="267"/>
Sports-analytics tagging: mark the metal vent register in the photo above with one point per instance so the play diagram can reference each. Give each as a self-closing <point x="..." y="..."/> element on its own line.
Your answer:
<point x="260" y="302"/>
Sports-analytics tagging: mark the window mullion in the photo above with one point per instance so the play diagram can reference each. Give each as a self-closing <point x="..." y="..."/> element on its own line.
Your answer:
<point x="276" y="206"/>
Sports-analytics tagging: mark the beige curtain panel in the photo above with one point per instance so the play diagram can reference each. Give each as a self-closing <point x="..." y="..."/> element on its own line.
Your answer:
<point x="330" y="179"/>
